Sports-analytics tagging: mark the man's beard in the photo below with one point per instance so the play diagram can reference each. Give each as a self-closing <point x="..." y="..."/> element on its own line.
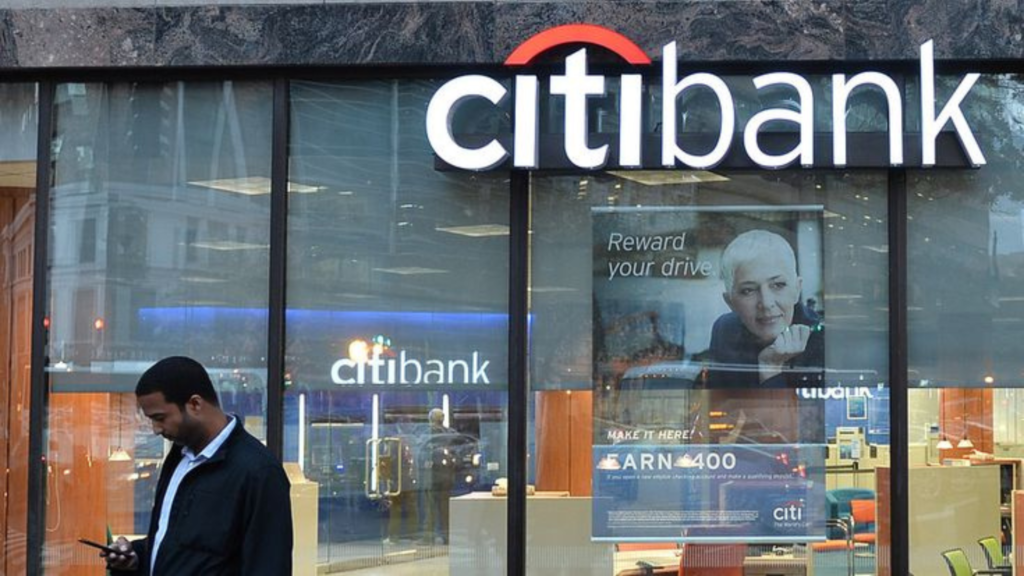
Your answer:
<point x="187" y="431"/>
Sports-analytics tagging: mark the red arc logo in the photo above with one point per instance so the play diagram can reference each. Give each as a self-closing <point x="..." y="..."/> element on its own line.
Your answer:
<point x="577" y="34"/>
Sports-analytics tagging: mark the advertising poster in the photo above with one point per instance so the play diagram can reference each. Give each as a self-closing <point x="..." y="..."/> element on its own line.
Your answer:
<point x="707" y="322"/>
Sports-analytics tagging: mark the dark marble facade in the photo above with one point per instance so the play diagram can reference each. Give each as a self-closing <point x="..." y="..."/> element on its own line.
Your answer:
<point x="466" y="32"/>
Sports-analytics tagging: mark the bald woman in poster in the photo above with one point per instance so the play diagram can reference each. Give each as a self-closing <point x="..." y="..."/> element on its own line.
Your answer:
<point x="769" y="339"/>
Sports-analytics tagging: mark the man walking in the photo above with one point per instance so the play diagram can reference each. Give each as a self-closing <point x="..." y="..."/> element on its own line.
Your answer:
<point x="440" y="460"/>
<point x="222" y="502"/>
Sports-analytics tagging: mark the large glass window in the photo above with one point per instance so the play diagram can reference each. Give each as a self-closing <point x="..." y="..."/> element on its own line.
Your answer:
<point x="397" y="336"/>
<point x="18" y="127"/>
<point x="159" y="242"/>
<point x="966" y="312"/>
<point x="653" y="428"/>
<point x="708" y="350"/>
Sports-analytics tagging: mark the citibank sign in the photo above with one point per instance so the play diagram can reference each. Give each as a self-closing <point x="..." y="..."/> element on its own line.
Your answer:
<point x="577" y="85"/>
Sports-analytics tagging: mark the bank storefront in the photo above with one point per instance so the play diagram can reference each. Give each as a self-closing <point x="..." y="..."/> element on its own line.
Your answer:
<point x="736" y="316"/>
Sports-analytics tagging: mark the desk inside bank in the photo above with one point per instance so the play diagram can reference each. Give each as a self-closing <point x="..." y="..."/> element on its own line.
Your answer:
<point x="558" y="542"/>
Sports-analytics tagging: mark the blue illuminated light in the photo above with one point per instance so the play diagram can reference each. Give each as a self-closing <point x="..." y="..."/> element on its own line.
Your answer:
<point x="323" y="318"/>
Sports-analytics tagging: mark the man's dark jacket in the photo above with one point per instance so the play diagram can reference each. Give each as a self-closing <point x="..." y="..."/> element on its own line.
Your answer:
<point x="231" y="516"/>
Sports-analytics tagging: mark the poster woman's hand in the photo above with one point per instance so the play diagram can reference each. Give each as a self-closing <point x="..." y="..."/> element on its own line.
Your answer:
<point x="788" y="345"/>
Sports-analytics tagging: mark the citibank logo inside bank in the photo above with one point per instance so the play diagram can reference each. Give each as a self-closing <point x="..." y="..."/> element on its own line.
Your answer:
<point x="577" y="85"/>
<point x="404" y="370"/>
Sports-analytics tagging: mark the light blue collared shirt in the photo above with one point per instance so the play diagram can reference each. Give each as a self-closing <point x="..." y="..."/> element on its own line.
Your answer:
<point x="189" y="462"/>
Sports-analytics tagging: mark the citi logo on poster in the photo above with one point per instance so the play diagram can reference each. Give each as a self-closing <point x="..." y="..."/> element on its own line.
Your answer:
<point x="789" y="512"/>
<point x="577" y="85"/>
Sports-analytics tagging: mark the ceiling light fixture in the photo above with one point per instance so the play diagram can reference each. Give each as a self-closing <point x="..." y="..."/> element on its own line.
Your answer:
<point x="477" y="230"/>
<point x="17" y="174"/>
<point x="119" y="454"/>
<point x="228" y="245"/>
<point x="253" y="186"/>
<point x="668" y="177"/>
<point x="409" y="270"/>
<point x="965" y="442"/>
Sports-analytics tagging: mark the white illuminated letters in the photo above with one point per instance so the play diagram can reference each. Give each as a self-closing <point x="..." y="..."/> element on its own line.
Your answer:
<point x="439" y="123"/>
<point x="670" y="151"/>
<point x="403" y="370"/>
<point x="577" y="86"/>
<point x="931" y="124"/>
<point x="526" y="122"/>
<point x="630" y="119"/>
<point x="804" y="118"/>
<point x="841" y="90"/>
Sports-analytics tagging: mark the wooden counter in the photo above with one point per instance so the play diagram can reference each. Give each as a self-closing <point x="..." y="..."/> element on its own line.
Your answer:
<point x="557" y="536"/>
<point x="951" y="507"/>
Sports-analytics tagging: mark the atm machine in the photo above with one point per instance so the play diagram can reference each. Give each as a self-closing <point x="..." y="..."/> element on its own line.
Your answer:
<point x="850" y="443"/>
<point x="848" y="455"/>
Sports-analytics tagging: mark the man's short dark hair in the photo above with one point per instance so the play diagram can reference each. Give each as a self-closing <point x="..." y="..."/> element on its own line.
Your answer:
<point x="178" y="378"/>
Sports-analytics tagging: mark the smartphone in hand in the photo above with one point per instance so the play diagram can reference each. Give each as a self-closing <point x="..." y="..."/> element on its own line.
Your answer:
<point x="104" y="547"/>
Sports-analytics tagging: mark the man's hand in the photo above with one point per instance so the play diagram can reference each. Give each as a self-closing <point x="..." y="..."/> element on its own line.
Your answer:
<point x="788" y="345"/>
<point x="126" y="560"/>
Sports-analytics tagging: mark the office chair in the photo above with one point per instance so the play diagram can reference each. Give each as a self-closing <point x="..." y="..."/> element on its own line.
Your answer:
<point x="837" y="503"/>
<point x="712" y="560"/>
<point x="835" y="557"/>
<point x="862" y="528"/>
<point x="647" y="567"/>
<point x="959" y="565"/>
<point x="994" y="553"/>
<point x="863" y="514"/>
<point x="645" y="546"/>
